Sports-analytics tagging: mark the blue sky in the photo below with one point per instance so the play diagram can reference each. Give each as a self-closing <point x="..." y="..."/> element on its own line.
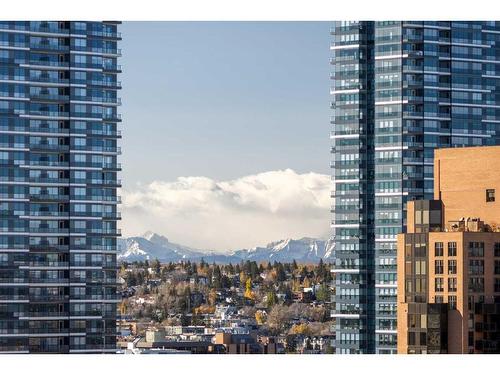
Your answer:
<point x="225" y="131"/>
<point x="224" y="99"/>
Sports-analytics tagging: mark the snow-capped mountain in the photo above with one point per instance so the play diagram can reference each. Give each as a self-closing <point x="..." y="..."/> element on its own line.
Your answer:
<point x="302" y="250"/>
<point x="152" y="245"/>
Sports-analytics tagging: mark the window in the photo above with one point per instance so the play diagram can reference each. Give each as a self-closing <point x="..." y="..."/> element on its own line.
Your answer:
<point x="80" y="26"/>
<point x="476" y="285"/>
<point x="79" y="191"/>
<point x="439" y="267"/>
<point x="497" y="285"/>
<point x="439" y="299"/>
<point x="438" y="249"/>
<point x="490" y="195"/>
<point x="476" y="266"/>
<point x="452" y="284"/>
<point x="452" y="302"/>
<point x="80" y="207"/>
<point x="420" y="267"/>
<point x="80" y="42"/>
<point x="79" y="225"/>
<point x="80" y="158"/>
<point x="439" y="285"/>
<point x="497" y="249"/>
<point x="497" y="267"/>
<point x="452" y="249"/>
<point x="452" y="267"/>
<point x="476" y="249"/>
<point x="411" y="338"/>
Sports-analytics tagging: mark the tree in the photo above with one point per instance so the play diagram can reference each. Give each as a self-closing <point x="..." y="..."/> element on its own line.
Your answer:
<point x="271" y="299"/>
<point x="216" y="278"/>
<point x="254" y="270"/>
<point x="131" y="279"/>
<point x="248" y="290"/>
<point x="323" y="293"/>
<point x="212" y="297"/>
<point x="278" y="318"/>
<point x="300" y="329"/>
<point x="307" y="282"/>
<point x="243" y="278"/>
<point x="260" y="317"/>
<point x="123" y="307"/>
<point x="156" y="266"/>
<point x="140" y="278"/>
<point x="280" y="273"/>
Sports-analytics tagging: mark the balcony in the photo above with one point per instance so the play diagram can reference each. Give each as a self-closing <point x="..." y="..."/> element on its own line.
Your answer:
<point x="49" y="163"/>
<point x="49" y="197"/>
<point x="111" y="215"/>
<point x="105" y="34"/>
<point x="42" y="280"/>
<point x="112" y="68"/>
<point x="49" y="147"/>
<point x="46" y="45"/>
<point x="115" y="166"/>
<point x="48" y="79"/>
<point x="47" y="27"/>
<point x="48" y="213"/>
<point x="48" y="113"/>
<point x="112" y="116"/>
<point x="13" y="280"/>
<point x="59" y="64"/>
<point x="62" y="181"/>
<point x="49" y="230"/>
<point x="98" y="148"/>
<point x="48" y="298"/>
<point x="109" y="297"/>
<point x="48" y="247"/>
<point x="105" y="231"/>
<point x="50" y="97"/>
<point x="15" y="348"/>
<point x="47" y="129"/>
<point x="48" y="264"/>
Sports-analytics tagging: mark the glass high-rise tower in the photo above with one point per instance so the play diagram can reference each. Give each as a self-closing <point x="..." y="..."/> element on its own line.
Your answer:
<point x="58" y="186"/>
<point x="399" y="90"/>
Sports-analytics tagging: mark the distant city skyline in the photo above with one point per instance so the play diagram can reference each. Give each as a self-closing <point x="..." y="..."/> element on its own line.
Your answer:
<point x="225" y="102"/>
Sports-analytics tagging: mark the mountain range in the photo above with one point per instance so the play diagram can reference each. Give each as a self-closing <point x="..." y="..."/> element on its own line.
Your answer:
<point x="155" y="246"/>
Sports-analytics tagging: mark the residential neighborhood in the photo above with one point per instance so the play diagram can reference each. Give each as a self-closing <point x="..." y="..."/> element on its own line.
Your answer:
<point x="187" y="307"/>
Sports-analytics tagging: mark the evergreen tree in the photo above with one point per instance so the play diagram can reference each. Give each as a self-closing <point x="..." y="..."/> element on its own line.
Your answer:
<point x="261" y="268"/>
<point x="271" y="299"/>
<point x="280" y="273"/>
<point x="323" y="293"/>
<point x="156" y="266"/>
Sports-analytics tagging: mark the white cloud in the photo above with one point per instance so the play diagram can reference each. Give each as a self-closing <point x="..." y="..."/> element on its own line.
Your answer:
<point x="241" y="213"/>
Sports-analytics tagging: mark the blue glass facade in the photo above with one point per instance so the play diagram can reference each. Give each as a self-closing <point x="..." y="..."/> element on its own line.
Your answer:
<point x="58" y="186"/>
<point x="400" y="90"/>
